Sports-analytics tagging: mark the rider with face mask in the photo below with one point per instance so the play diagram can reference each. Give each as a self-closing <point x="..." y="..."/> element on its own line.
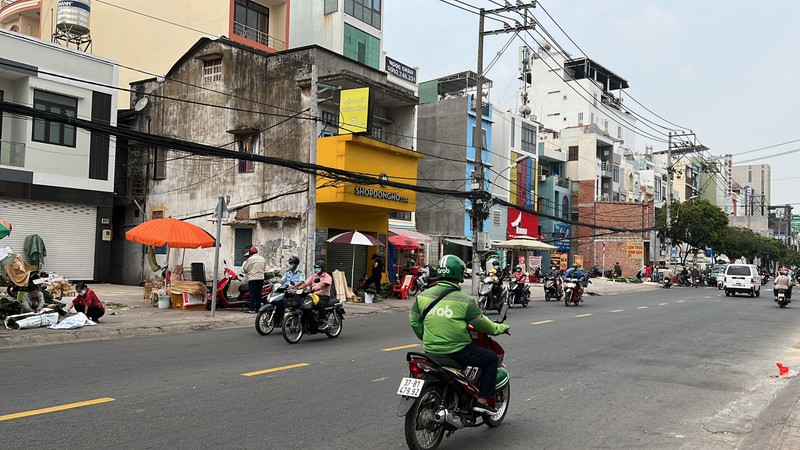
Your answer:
<point x="293" y="277"/>
<point x="87" y="302"/>
<point x="320" y="281"/>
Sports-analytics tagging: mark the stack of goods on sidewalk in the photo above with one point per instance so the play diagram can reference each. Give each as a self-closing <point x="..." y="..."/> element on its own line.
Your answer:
<point x="188" y="294"/>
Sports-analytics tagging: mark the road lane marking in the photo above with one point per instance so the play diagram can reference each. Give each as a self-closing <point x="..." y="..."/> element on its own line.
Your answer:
<point x="391" y="349"/>
<point x="663" y="304"/>
<point x="541" y="322"/>
<point x="709" y="296"/>
<point x="583" y="315"/>
<point x="681" y="301"/>
<point x="36" y="412"/>
<point x="617" y="310"/>
<point x="379" y="379"/>
<point x="274" y="369"/>
<point x="641" y="307"/>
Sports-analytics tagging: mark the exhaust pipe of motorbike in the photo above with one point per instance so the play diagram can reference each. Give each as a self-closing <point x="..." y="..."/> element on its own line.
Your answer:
<point x="445" y="415"/>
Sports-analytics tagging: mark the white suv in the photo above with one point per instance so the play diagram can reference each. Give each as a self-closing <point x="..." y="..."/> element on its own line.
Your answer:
<point x="743" y="279"/>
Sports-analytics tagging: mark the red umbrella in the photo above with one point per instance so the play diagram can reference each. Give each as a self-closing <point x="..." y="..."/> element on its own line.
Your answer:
<point x="404" y="243"/>
<point x="173" y="232"/>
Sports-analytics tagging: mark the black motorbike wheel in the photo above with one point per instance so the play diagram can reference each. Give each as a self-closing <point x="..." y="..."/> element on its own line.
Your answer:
<point x="546" y="296"/>
<point x="264" y="323"/>
<point x="526" y="300"/>
<point x="413" y="289"/>
<point x="482" y="303"/>
<point x="503" y="399"/>
<point x="335" y="328"/>
<point x="292" y="329"/>
<point x="782" y="304"/>
<point x="566" y="299"/>
<point x="421" y="430"/>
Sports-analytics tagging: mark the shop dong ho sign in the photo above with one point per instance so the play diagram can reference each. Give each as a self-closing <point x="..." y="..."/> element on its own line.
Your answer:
<point x="401" y="70"/>
<point x="382" y="195"/>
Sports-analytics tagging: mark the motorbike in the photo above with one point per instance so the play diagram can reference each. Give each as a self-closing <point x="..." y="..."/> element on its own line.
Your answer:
<point x="493" y="293"/>
<point x="438" y="395"/>
<point x="781" y="298"/>
<point x="695" y="282"/>
<point x="667" y="283"/>
<point x="265" y="319"/>
<point x="519" y="293"/>
<point x="240" y="301"/>
<point x="571" y="292"/>
<point x="422" y="280"/>
<point x="301" y="311"/>
<point x="552" y="288"/>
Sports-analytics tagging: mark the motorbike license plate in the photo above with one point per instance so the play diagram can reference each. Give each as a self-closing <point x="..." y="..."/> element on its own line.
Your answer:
<point x="410" y="387"/>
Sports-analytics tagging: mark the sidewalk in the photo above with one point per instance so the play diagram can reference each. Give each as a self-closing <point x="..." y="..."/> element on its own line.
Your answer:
<point x="127" y="315"/>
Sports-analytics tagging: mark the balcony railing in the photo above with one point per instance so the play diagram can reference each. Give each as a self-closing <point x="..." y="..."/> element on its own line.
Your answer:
<point x="259" y="36"/>
<point x="606" y="168"/>
<point x="12" y="154"/>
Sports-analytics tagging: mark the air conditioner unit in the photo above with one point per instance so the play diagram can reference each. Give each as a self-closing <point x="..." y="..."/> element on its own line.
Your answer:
<point x="542" y="177"/>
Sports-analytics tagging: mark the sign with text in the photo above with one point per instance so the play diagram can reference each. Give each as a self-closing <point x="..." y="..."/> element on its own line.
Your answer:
<point x="355" y="111"/>
<point x="562" y="236"/>
<point x="635" y="249"/>
<point x="522" y="224"/>
<point x="401" y="70"/>
<point x="534" y="261"/>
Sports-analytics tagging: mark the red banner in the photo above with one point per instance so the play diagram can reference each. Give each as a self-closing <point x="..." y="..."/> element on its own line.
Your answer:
<point x="522" y="224"/>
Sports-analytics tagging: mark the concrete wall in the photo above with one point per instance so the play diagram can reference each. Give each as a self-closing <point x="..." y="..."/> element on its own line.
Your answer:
<point x="443" y="121"/>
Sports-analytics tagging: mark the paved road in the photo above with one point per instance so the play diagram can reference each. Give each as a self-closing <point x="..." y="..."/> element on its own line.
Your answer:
<point x="662" y="369"/>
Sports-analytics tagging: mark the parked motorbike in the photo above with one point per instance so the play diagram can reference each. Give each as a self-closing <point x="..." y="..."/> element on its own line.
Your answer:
<point x="552" y="288"/>
<point x="266" y="321"/>
<point x="240" y="301"/>
<point x="493" y="293"/>
<point x="302" y="318"/>
<point x="439" y="393"/>
<point x="572" y="294"/>
<point x="422" y="280"/>
<point x="781" y="298"/>
<point x="519" y="293"/>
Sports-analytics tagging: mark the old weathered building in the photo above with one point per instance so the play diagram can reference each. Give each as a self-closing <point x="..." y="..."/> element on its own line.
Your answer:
<point x="229" y="95"/>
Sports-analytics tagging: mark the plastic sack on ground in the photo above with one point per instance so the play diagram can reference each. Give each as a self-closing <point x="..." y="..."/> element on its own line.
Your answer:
<point x="72" y="322"/>
<point x="44" y="318"/>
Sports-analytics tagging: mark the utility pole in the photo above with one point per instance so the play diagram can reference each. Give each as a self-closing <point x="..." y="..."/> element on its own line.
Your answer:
<point x="479" y="182"/>
<point x="311" y="210"/>
<point x="220" y="212"/>
<point x="668" y="222"/>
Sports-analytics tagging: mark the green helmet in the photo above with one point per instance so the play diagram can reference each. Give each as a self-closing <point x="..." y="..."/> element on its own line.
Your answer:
<point x="451" y="267"/>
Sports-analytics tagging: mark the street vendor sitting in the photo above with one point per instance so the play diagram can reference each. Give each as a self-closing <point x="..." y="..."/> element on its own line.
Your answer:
<point x="33" y="300"/>
<point x="87" y="302"/>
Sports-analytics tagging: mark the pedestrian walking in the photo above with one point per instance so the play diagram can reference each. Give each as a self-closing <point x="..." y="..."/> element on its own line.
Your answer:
<point x="377" y="272"/>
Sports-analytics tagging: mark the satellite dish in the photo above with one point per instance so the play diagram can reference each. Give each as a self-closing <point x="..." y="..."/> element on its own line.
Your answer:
<point x="140" y="104"/>
<point x="525" y="110"/>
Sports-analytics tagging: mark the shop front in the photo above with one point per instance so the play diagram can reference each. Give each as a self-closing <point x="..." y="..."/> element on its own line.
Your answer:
<point x="365" y="208"/>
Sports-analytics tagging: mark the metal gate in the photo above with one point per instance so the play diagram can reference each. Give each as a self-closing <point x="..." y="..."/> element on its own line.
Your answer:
<point x="68" y="232"/>
<point x="340" y="257"/>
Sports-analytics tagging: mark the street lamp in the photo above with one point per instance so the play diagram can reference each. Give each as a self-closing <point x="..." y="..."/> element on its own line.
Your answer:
<point x="515" y="164"/>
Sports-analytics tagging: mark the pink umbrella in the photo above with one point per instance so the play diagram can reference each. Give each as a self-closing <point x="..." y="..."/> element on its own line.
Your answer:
<point x="355" y="238"/>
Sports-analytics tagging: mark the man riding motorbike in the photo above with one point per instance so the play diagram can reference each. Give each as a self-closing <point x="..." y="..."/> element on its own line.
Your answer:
<point x="783" y="282"/>
<point x="576" y="272"/>
<point x="519" y="277"/>
<point x="439" y="317"/>
<point x="293" y="277"/>
<point x="695" y="274"/>
<point x="684" y="277"/>
<point x="320" y="282"/>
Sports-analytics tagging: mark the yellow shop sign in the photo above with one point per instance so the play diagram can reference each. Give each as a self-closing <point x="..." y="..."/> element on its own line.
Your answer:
<point x="355" y="111"/>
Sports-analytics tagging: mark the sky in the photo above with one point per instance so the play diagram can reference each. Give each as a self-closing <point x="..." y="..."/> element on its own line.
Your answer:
<point x="728" y="70"/>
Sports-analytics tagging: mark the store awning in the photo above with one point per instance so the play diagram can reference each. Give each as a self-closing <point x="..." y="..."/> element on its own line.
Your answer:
<point x="417" y="236"/>
<point x="462" y="242"/>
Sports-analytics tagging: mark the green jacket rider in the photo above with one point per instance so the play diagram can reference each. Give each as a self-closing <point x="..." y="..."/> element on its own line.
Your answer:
<point x="444" y="330"/>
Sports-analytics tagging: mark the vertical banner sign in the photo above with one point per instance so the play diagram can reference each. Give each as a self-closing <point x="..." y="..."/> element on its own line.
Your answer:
<point x="521" y="260"/>
<point x="534" y="261"/>
<point x="355" y="111"/>
<point x="635" y="249"/>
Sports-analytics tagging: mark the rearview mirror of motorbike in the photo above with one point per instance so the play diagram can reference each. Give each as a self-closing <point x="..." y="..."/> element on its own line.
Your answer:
<point x="316" y="280"/>
<point x="503" y="313"/>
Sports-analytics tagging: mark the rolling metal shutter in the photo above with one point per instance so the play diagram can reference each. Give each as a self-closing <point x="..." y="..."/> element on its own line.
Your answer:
<point x="340" y="257"/>
<point x="68" y="232"/>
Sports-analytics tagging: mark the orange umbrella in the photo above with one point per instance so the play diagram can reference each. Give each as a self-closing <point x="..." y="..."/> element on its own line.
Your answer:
<point x="176" y="233"/>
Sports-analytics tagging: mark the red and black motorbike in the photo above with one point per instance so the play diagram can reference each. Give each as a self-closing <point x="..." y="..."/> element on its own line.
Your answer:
<point x="572" y="291"/>
<point x="242" y="300"/>
<point x="439" y="393"/>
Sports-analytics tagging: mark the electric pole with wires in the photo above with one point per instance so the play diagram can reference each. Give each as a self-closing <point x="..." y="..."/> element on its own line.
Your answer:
<point x="480" y="203"/>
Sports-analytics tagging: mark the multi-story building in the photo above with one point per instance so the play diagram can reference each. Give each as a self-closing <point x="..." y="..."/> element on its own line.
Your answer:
<point x="57" y="180"/>
<point x="270" y="204"/>
<point x="756" y="184"/>
<point x="716" y="183"/>
<point x="134" y="32"/>
<point x="446" y="123"/>
<point x="554" y="194"/>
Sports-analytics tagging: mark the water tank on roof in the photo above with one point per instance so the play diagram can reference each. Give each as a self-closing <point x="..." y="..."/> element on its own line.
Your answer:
<point x="73" y="16"/>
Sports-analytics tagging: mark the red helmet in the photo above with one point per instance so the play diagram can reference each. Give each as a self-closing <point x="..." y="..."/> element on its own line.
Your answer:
<point x="251" y="251"/>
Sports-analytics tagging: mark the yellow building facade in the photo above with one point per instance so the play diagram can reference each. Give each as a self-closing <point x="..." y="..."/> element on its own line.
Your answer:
<point x="345" y="207"/>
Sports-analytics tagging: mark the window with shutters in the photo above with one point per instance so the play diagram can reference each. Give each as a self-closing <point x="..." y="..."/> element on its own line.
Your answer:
<point x="212" y="70"/>
<point x="580" y="119"/>
<point x="497" y="217"/>
<point x="243" y="239"/>
<point x="160" y="164"/>
<point x="573" y="153"/>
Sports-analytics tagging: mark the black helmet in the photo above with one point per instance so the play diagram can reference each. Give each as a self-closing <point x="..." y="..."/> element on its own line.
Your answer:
<point x="294" y="260"/>
<point x="321" y="264"/>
